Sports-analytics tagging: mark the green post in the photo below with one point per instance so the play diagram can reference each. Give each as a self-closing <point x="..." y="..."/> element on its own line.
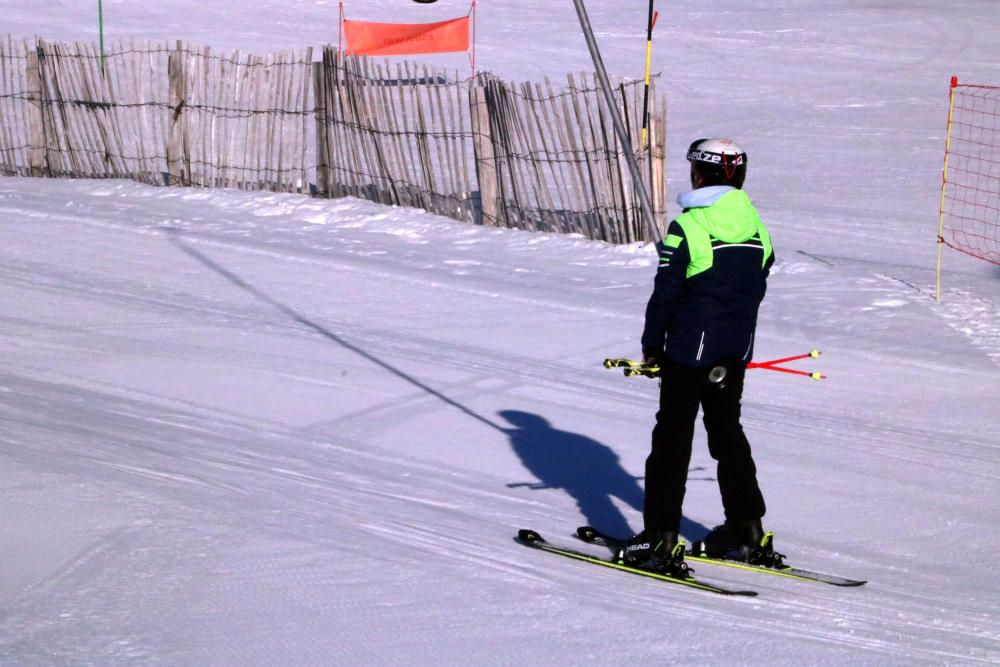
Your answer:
<point x="100" y="28"/>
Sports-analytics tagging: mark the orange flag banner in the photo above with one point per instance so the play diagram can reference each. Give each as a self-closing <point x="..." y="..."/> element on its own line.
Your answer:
<point x="401" y="39"/>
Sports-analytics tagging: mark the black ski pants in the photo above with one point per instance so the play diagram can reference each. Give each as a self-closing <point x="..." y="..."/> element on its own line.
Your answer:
<point x="682" y="390"/>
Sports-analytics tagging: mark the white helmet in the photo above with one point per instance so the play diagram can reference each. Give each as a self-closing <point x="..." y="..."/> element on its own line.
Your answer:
<point x="718" y="161"/>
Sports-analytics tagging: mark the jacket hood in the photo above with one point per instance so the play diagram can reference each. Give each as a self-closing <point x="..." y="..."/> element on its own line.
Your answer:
<point x="702" y="197"/>
<point x="725" y="212"/>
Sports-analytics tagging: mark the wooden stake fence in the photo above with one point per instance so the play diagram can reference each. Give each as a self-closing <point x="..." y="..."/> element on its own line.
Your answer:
<point x="523" y="155"/>
<point x="94" y="123"/>
<point x="549" y="160"/>
<point x="16" y="98"/>
<point x="239" y="120"/>
<point x="393" y="138"/>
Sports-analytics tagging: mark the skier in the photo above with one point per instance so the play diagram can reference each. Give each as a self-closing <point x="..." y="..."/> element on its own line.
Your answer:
<point x="699" y="329"/>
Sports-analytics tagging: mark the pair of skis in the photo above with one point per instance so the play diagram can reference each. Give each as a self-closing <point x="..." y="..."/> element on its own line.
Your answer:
<point x="593" y="536"/>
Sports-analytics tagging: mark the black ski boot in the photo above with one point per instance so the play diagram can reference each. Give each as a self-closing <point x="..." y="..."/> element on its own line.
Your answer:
<point x="648" y="547"/>
<point x="733" y="540"/>
<point x="657" y="550"/>
<point x="765" y="555"/>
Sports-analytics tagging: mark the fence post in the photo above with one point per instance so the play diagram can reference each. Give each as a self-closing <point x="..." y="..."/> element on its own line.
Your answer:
<point x="322" y="128"/>
<point x="482" y="146"/>
<point x="37" y="146"/>
<point x="177" y="158"/>
<point x="657" y="153"/>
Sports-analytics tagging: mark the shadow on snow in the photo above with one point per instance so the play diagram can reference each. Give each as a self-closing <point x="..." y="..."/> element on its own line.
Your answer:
<point x="590" y="472"/>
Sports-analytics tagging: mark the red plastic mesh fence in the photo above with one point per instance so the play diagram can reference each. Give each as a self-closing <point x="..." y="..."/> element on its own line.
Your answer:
<point x="971" y="198"/>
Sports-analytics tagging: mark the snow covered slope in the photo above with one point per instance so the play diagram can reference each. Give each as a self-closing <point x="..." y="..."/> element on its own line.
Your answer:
<point x="251" y="429"/>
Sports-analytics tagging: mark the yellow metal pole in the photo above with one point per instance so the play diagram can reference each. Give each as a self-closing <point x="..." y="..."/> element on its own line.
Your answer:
<point x="649" y="58"/>
<point x="944" y="183"/>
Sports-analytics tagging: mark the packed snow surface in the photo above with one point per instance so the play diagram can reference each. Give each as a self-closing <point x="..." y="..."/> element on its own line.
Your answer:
<point x="246" y="428"/>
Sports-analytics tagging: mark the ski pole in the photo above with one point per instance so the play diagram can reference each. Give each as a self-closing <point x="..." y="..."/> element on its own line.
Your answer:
<point x="774" y="362"/>
<point x="632" y="367"/>
<point x="774" y="365"/>
<point x="814" y="376"/>
<point x="648" y="371"/>
<point x="622" y="363"/>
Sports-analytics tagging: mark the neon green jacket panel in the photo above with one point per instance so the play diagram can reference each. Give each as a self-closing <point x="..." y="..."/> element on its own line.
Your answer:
<point x="732" y="219"/>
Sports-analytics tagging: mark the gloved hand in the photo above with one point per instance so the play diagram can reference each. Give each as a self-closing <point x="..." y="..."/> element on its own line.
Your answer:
<point x="652" y="357"/>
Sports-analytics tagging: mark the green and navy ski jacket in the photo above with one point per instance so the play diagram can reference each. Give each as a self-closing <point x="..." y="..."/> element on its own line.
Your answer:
<point x="712" y="275"/>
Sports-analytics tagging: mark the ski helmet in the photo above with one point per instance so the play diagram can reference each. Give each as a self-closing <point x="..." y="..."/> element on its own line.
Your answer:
<point x="718" y="162"/>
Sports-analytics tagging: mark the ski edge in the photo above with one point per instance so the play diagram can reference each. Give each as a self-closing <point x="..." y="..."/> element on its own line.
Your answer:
<point x="534" y="540"/>
<point x="591" y="535"/>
